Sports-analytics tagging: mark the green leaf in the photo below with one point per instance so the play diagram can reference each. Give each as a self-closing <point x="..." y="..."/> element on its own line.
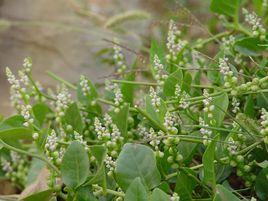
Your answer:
<point x="43" y="195"/>
<point x="223" y="194"/>
<point x="187" y="81"/>
<point x="99" y="152"/>
<point x="75" y="165"/>
<point x="151" y="110"/>
<point x="249" y="107"/>
<point x="185" y="184"/>
<point x="159" y="195"/>
<point x="136" y="160"/>
<point x="156" y="50"/>
<point x="221" y="103"/>
<point x="262" y="100"/>
<point x="120" y="119"/>
<point x="171" y="81"/>
<point x="128" y="89"/>
<point x="12" y="129"/>
<point x="208" y="161"/>
<point x="225" y="7"/>
<point x="35" y="168"/>
<point x="249" y="46"/>
<point x="261" y="184"/>
<point x="40" y="111"/>
<point x="73" y="118"/>
<point x="136" y="191"/>
<point x="84" y="194"/>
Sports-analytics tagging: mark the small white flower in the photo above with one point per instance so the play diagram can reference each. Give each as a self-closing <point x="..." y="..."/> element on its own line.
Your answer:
<point x="235" y="104"/>
<point x="156" y="101"/>
<point x="84" y="85"/>
<point x="27" y="64"/>
<point x="174" y="43"/>
<point x="51" y="142"/>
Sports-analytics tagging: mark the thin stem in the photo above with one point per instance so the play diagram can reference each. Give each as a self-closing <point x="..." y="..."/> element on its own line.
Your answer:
<point x="55" y="77"/>
<point x="30" y="154"/>
<point x="109" y="191"/>
<point x="106" y="102"/>
<point x="135" y="82"/>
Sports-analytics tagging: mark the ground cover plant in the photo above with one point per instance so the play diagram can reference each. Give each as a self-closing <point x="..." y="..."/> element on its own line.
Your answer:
<point x="196" y="130"/>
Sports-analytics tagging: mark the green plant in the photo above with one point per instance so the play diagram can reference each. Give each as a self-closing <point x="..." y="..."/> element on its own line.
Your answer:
<point x="198" y="132"/>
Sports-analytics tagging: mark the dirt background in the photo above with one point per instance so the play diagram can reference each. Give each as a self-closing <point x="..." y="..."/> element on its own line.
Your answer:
<point x="65" y="42"/>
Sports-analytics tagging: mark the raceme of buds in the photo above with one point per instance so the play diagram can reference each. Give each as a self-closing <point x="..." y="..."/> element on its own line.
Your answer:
<point x="253" y="20"/>
<point x="264" y="123"/>
<point x="156" y="101"/>
<point x="205" y="131"/>
<point x="169" y="122"/>
<point x="229" y="78"/>
<point x="160" y="73"/>
<point x="26" y="113"/>
<point x="208" y="106"/>
<point x="119" y="59"/>
<point x="174" y="43"/>
<point x="63" y="99"/>
<point x="84" y="85"/>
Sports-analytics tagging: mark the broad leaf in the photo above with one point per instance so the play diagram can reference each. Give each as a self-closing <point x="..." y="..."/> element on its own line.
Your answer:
<point x="75" y="165"/>
<point x="262" y="184"/>
<point x="136" y="191"/>
<point x="225" y="7"/>
<point x="159" y="195"/>
<point x="208" y="162"/>
<point x="249" y="46"/>
<point x="120" y="119"/>
<point x="84" y="194"/>
<point x="43" y="195"/>
<point x="223" y="194"/>
<point x="171" y="81"/>
<point x="73" y="118"/>
<point x="40" y="111"/>
<point x="12" y="129"/>
<point x="136" y="161"/>
<point x="221" y="103"/>
<point x="185" y="184"/>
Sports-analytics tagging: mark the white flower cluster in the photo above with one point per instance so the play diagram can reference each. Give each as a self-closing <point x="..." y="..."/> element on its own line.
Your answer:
<point x="51" y="142"/>
<point x="170" y="121"/>
<point x="264" y="123"/>
<point x="205" y="131"/>
<point x="26" y="113"/>
<point x="160" y="72"/>
<point x="6" y="165"/>
<point x="208" y="106"/>
<point x="235" y="104"/>
<point x="253" y="20"/>
<point x="227" y="43"/>
<point x="110" y="164"/>
<point x="156" y="101"/>
<point x="154" y="138"/>
<point x="174" y="43"/>
<point x="78" y="137"/>
<point x="119" y="59"/>
<point x="175" y="197"/>
<point x="63" y="99"/>
<point x="24" y="78"/>
<point x="15" y="89"/>
<point x="118" y="96"/>
<point x="229" y="78"/>
<point x="102" y="131"/>
<point x="182" y="96"/>
<point x="264" y="4"/>
<point x="232" y="146"/>
<point x="27" y="64"/>
<point x="116" y="134"/>
<point x="84" y="85"/>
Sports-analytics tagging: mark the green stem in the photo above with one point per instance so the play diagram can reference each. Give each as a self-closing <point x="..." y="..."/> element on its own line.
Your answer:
<point x="55" y="77"/>
<point x="106" y="102"/>
<point x="135" y="82"/>
<point x="30" y="154"/>
<point x="155" y="123"/>
<point x="109" y="191"/>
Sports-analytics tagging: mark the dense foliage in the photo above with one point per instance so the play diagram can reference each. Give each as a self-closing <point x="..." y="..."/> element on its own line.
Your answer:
<point x="198" y="132"/>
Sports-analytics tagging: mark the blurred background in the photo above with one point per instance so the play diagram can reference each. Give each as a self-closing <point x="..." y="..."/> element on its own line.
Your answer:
<point x="70" y="37"/>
